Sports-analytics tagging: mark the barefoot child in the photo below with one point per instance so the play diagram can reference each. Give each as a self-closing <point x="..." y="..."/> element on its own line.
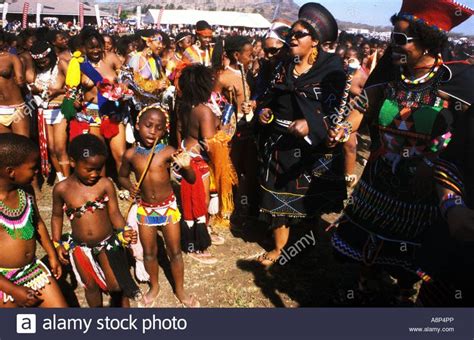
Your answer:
<point x="157" y="204"/>
<point x="98" y="234"/>
<point x="24" y="280"/>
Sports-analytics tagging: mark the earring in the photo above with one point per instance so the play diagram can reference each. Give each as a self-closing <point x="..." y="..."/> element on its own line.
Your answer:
<point x="149" y="53"/>
<point x="313" y="56"/>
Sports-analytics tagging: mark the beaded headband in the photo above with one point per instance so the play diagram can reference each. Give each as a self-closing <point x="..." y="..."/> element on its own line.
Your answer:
<point x="41" y="55"/>
<point x="158" y="107"/>
<point x="167" y="118"/>
<point x="184" y="37"/>
<point x="149" y="39"/>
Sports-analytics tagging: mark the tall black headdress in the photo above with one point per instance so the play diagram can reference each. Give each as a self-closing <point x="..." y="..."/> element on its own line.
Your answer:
<point x="321" y="20"/>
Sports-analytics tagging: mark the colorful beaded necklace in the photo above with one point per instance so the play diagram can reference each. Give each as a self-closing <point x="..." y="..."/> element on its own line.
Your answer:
<point x="427" y="76"/>
<point x="18" y="223"/>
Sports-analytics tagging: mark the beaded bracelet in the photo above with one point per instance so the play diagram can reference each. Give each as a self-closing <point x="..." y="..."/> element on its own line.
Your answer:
<point x="347" y="126"/>
<point x="120" y="236"/>
<point x="271" y="117"/>
<point x="65" y="244"/>
<point x="450" y="202"/>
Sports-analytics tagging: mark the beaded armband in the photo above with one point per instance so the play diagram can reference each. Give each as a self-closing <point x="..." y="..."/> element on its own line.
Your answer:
<point x="450" y="201"/>
<point x="65" y="244"/>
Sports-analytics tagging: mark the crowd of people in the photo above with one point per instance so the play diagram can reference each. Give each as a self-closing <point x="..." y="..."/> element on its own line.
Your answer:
<point x="224" y="130"/>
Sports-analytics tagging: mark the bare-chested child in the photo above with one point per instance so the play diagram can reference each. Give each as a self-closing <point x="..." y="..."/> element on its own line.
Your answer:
<point x="96" y="244"/>
<point x="25" y="281"/>
<point x="157" y="204"/>
<point x="48" y="91"/>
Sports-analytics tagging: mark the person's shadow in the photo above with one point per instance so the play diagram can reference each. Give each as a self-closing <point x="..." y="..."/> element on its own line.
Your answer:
<point x="311" y="277"/>
<point x="67" y="286"/>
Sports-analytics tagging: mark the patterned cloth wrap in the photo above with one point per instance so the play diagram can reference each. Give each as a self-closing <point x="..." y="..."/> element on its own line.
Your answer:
<point x="34" y="275"/>
<point x="85" y="257"/>
<point x="154" y="215"/>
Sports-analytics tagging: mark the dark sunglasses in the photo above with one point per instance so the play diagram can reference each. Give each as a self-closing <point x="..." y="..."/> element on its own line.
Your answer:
<point x="272" y="50"/>
<point x="400" y="39"/>
<point x="298" y="35"/>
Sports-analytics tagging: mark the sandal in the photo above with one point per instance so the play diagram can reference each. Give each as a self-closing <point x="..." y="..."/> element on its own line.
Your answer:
<point x="192" y="302"/>
<point x="217" y="240"/>
<point x="145" y="303"/>
<point x="265" y="260"/>
<point x="203" y="258"/>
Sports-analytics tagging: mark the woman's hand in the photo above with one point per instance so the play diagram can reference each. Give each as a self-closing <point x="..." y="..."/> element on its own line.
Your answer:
<point x="25" y="297"/>
<point x="52" y="93"/>
<point x="299" y="128"/>
<point x="265" y="116"/>
<point x="246" y="107"/>
<point x="35" y="90"/>
<point x="461" y="223"/>
<point x="334" y="135"/>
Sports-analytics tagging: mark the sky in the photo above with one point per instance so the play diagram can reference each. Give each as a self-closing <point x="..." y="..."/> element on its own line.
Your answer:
<point x="378" y="12"/>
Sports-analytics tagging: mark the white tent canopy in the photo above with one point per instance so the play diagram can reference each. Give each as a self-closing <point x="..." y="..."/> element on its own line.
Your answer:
<point x="221" y="18"/>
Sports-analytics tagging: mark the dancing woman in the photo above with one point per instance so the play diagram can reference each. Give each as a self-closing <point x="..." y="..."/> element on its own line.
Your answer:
<point x="410" y="103"/>
<point x="300" y="176"/>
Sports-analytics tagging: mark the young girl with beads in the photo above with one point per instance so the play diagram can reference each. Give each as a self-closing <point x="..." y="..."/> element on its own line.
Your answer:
<point x="96" y="244"/>
<point x="25" y="281"/>
<point x="157" y="205"/>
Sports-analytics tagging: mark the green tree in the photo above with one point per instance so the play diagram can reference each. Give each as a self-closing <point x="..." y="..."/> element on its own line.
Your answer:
<point x="124" y="15"/>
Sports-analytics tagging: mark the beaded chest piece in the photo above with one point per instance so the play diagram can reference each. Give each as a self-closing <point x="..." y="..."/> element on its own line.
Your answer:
<point x="18" y="223"/>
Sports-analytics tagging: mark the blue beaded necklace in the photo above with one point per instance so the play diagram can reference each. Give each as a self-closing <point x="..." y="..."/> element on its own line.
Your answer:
<point x="141" y="150"/>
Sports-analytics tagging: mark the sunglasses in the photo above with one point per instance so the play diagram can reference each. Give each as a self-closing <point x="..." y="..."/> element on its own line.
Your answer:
<point x="272" y="50"/>
<point x="400" y="39"/>
<point x="298" y="35"/>
<point x="157" y="39"/>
